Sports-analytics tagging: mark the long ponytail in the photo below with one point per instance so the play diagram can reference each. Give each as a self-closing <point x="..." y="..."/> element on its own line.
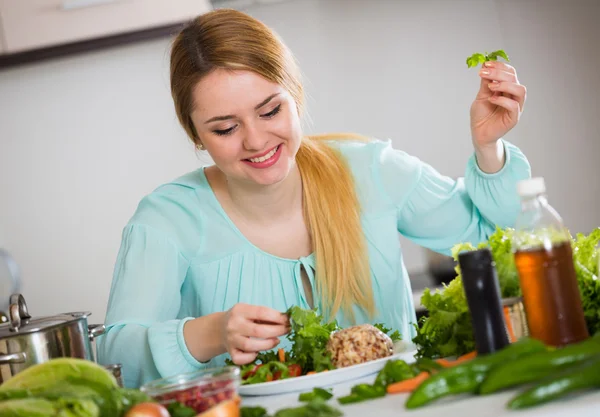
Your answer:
<point x="332" y="211"/>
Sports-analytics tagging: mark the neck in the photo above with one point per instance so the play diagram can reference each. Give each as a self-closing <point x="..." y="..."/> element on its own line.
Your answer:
<point x="265" y="204"/>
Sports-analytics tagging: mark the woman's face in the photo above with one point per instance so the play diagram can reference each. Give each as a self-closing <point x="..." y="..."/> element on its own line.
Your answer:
<point x="249" y="126"/>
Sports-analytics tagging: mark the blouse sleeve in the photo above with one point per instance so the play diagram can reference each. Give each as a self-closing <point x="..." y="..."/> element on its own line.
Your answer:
<point x="144" y="333"/>
<point x="438" y="212"/>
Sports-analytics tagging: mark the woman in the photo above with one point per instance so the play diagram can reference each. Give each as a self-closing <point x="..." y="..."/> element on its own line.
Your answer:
<point x="209" y="261"/>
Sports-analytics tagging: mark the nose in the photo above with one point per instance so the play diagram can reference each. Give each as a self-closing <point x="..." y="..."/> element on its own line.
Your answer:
<point x="254" y="138"/>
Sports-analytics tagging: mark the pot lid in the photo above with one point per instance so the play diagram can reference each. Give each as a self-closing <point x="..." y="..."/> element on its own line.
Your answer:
<point x="20" y="321"/>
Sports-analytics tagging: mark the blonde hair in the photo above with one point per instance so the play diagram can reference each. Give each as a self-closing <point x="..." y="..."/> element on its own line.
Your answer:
<point x="231" y="39"/>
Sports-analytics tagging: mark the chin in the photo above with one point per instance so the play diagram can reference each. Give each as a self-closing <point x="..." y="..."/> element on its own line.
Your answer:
<point x="271" y="176"/>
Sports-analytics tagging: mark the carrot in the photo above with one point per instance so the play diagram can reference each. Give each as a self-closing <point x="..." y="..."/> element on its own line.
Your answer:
<point x="281" y="354"/>
<point x="464" y="358"/>
<point x="509" y="327"/>
<point x="408" y="385"/>
<point x="467" y="356"/>
<point x="444" y="362"/>
<point x="311" y="373"/>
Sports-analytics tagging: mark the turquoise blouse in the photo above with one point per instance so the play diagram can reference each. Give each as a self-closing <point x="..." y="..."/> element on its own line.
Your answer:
<point x="181" y="257"/>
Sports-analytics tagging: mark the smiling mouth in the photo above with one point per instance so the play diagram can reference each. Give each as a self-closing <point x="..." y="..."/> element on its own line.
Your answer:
<point x="264" y="157"/>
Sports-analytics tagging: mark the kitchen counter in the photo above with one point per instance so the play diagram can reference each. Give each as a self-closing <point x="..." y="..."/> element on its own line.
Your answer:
<point x="587" y="405"/>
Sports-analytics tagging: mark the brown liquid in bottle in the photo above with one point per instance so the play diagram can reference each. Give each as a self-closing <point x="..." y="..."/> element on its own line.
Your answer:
<point x="550" y="295"/>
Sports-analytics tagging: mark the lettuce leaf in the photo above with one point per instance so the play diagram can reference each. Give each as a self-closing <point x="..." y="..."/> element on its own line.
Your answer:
<point x="40" y="407"/>
<point x="586" y="258"/>
<point x="447" y="331"/>
<point x="309" y="337"/>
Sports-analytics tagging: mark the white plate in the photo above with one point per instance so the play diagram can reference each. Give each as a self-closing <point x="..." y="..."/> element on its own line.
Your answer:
<point x="324" y="379"/>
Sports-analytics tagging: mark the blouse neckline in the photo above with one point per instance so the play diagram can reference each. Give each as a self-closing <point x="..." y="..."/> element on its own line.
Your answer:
<point x="304" y="259"/>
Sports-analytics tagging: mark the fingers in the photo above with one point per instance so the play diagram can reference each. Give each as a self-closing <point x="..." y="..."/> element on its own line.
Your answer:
<point x="250" y="345"/>
<point x="494" y="74"/>
<point x="252" y="329"/>
<point x="264" y="331"/>
<point x="264" y="314"/>
<point x="238" y="324"/>
<point x="511" y="90"/>
<point x="501" y="66"/>
<point x="500" y="80"/>
<point x="241" y="358"/>
<point x="509" y="104"/>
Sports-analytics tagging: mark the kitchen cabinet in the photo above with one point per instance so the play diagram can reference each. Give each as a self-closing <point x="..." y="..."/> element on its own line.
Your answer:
<point x="37" y="24"/>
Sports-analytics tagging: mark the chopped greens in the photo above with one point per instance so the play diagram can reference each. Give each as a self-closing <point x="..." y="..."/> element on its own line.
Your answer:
<point x="315" y="408"/>
<point x="394" y="335"/>
<point x="395" y="371"/>
<point x="253" y="412"/>
<point x="308" y="336"/>
<point x="363" y="392"/>
<point x="315" y="393"/>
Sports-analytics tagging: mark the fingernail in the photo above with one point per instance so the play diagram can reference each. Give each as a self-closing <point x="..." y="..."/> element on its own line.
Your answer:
<point x="492" y="85"/>
<point x="488" y="64"/>
<point x="484" y="72"/>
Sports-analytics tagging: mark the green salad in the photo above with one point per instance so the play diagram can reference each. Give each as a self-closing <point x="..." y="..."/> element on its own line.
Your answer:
<point x="309" y="335"/>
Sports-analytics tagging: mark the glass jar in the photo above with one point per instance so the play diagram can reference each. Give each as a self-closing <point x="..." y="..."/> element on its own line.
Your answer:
<point x="199" y="390"/>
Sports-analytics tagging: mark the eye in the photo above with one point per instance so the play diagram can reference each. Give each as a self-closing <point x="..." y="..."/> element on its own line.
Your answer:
<point x="272" y="112"/>
<point x="224" y="132"/>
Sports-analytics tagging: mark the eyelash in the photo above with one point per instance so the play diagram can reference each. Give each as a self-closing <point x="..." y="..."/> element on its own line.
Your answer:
<point x="268" y="115"/>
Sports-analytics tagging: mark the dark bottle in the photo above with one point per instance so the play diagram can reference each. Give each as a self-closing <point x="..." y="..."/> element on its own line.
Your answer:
<point x="482" y="290"/>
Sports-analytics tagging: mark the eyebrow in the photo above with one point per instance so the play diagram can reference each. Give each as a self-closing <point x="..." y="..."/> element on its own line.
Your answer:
<point x="230" y="116"/>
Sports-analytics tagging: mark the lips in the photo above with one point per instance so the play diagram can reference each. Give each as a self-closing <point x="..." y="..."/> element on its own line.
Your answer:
<point x="263" y="156"/>
<point x="266" y="159"/>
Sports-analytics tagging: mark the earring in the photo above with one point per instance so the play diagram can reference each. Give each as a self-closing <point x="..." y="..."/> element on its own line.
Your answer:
<point x="200" y="147"/>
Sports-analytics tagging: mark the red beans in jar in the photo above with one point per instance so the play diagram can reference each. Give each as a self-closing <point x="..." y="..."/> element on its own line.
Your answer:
<point x="200" y="390"/>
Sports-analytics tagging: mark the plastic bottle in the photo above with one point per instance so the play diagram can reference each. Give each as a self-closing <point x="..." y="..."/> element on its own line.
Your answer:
<point x="544" y="261"/>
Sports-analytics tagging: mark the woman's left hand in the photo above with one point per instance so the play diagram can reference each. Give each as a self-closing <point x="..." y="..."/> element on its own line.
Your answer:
<point x="498" y="105"/>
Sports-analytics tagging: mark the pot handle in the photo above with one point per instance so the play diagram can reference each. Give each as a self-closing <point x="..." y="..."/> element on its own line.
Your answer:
<point x="12" y="358"/>
<point x="95" y="330"/>
<point x="17" y="311"/>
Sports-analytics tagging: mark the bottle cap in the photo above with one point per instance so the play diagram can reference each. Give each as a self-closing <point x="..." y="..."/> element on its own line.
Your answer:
<point x="477" y="259"/>
<point x="531" y="187"/>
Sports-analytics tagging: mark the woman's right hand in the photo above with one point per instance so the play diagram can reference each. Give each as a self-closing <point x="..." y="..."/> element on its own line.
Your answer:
<point x="248" y="330"/>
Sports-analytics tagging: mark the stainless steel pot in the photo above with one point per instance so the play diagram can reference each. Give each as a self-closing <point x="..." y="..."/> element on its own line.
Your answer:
<point x="27" y="341"/>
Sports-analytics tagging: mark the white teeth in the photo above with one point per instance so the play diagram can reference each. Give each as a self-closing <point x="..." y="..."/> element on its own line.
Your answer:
<point x="265" y="157"/>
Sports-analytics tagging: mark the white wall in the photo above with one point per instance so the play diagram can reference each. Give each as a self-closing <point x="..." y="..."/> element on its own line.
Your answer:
<point x="83" y="138"/>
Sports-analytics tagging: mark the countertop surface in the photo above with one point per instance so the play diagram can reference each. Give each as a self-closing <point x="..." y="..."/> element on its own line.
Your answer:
<point x="582" y="405"/>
